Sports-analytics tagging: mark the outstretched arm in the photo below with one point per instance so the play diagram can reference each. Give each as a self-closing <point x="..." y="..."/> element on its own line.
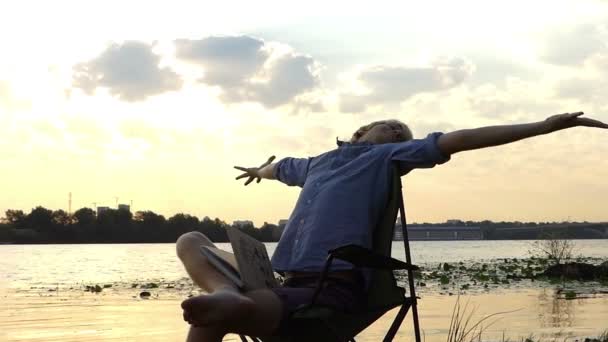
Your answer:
<point x="265" y="170"/>
<point x="471" y="139"/>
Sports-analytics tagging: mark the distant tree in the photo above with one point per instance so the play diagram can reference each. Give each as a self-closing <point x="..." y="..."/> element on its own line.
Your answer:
<point x="124" y="219"/>
<point x="179" y="224"/>
<point x="265" y="232"/>
<point x="40" y="219"/>
<point x="62" y="226"/>
<point x="61" y="218"/>
<point x="553" y="247"/>
<point x="16" y="218"/>
<point x="84" y="216"/>
<point x="150" y="226"/>
<point x="6" y="232"/>
<point x="214" y="229"/>
<point x="84" y="227"/>
<point x="107" y="228"/>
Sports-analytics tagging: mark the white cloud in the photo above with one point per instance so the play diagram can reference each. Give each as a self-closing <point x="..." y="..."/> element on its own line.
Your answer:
<point x="250" y="70"/>
<point x="228" y="61"/>
<point x="394" y="84"/>
<point x="590" y="85"/>
<point x="572" y="46"/>
<point x="516" y="100"/>
<point x="130" y="71"/>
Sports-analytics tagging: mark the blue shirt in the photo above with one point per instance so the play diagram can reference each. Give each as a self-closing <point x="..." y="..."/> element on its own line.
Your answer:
<point x="344" y="191"/>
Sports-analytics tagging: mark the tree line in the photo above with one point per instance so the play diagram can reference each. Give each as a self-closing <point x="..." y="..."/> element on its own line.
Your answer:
<point x="43" y="225"/>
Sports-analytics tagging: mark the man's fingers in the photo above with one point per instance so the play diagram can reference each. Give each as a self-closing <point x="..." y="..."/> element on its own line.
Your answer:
<point x="268" y="161"/>
<point x="257" y="180"/>
<point x="241" y="168"/>
<point x="575" y="115"/>
<point x="592" y="123"/>
<point x="242" y="176"/>
<point x="249" y="181"/>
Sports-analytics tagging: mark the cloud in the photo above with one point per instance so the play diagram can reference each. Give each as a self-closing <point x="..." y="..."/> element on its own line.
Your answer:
<point x="574" y="45"/>
<point x="516" y="100"/>
<point x="250" y="70"/>
<point x="228" y="61"/>
<point x="577" y="88"/>
<point x="498" y="68"/>
<point x="130" y="71"/>
<point x="393" y="84"/>
<point x="591" y="87"/>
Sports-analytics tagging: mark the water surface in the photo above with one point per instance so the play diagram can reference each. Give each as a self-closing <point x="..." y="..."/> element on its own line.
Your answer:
<point x="41" y="289"/>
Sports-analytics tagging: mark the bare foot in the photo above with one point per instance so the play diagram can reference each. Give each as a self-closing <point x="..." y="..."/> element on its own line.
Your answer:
<point x="217" y="308"/>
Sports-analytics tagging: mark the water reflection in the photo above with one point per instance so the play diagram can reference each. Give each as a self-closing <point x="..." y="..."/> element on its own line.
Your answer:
<point x="555" y="311"/>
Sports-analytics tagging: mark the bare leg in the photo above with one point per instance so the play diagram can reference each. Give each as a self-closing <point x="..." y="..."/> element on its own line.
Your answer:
<point x="224" y="309"/>
<point x="199" y="269"/>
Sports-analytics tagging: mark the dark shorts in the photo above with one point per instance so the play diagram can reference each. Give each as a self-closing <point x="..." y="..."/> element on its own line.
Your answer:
<point x="338" y="294"/>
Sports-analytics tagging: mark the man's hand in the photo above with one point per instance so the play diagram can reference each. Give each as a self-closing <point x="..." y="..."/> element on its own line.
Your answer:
<point x="255" y="172"/>
<point x="568" y="120"/>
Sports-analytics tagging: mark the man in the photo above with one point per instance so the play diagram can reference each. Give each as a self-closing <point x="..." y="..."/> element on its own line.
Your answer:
<point x="343" y="194"/>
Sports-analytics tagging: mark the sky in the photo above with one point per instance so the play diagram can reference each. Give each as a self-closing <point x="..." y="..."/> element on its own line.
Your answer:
<point x="153" y="104"/>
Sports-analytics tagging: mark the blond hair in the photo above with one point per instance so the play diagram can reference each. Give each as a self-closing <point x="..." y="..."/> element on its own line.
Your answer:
<point x="407" y="133"/>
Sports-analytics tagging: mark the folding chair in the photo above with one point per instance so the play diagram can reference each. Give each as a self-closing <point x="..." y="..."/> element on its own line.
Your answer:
<point x="317" y="323"/>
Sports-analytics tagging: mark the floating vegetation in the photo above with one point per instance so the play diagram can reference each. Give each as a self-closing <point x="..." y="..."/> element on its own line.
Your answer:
<point x="507" y="272"/>
<point x="94" y="289"/>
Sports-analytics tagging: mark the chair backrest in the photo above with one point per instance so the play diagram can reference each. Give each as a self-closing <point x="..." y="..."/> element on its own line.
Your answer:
<point x="383" y="290"/>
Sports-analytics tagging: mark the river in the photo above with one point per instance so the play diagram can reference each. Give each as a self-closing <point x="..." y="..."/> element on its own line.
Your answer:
<point x="42" y="276"/>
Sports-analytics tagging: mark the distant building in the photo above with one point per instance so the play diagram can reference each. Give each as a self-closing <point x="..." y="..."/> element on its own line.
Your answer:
<point x="439" y="233"/>
<point x="100" y="210"/>
<point x="124" y="207"/>
<point x="242" y="223"/>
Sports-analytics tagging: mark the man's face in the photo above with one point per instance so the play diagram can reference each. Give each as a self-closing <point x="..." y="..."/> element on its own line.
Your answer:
<point x="383" y="133"/>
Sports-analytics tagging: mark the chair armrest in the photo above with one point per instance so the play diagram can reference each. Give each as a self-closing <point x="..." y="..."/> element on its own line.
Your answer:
<point x="363" y="257"/>
<point x="360" y="257"/>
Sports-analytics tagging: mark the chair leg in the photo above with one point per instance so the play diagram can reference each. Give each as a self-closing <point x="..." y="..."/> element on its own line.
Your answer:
<point x="408" y="259"/>
<point x="397" y="322"/>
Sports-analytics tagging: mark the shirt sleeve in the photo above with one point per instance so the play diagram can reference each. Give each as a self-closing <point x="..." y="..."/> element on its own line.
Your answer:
<point x="292" y="171"/>
<point x="418" y="153"/>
